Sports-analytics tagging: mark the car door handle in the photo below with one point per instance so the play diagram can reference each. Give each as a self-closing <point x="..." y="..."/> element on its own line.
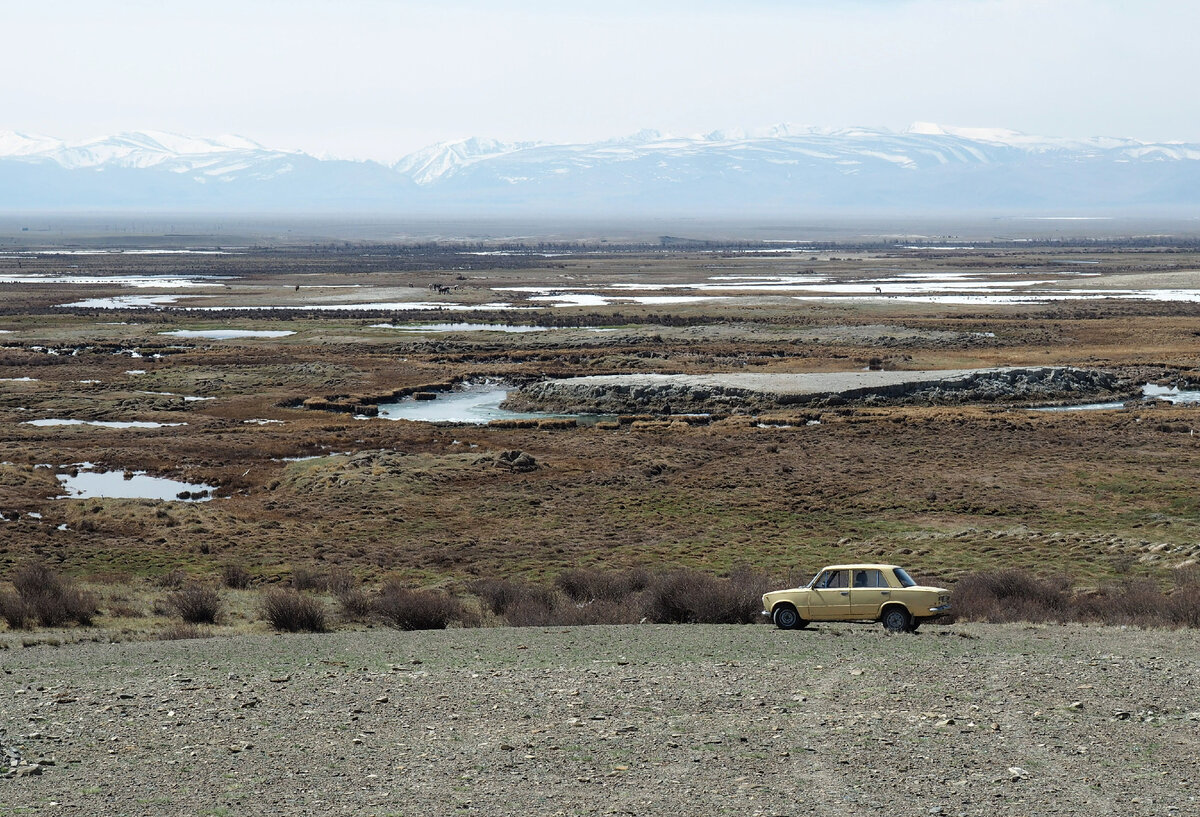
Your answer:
<point x="845" y="592"/>
<point x="886" y="593"/>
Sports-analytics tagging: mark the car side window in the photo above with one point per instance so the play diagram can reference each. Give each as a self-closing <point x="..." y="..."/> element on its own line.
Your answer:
<point x="868" y="578"/>
<point x="836" y="578"/>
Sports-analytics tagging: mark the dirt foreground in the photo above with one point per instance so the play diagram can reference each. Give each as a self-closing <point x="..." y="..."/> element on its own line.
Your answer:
<point x="749" y="720"/>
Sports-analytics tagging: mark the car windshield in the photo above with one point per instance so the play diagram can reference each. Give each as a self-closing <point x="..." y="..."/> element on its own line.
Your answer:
<point x="905" y="579"/>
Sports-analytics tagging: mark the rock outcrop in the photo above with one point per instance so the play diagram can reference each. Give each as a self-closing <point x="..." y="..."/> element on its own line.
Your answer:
<point x="750" y="393"/>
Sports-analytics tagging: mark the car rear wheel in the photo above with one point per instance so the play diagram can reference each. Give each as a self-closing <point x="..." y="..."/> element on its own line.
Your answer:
<point x="786" y="618"/>
<point x="897" y="620"/>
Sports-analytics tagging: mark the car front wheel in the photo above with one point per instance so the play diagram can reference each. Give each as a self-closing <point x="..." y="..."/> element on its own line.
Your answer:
<point x="786" y="618"/>
<point x="897" y="620"/>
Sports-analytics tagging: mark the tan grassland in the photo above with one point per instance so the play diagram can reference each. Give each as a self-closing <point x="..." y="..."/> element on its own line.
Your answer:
<point x="963" y="719"/>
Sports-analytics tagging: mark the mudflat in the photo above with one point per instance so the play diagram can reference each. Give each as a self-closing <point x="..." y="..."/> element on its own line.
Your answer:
<point x="642" y="719"/>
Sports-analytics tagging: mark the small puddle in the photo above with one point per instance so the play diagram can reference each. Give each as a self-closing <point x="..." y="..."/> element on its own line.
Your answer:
<point x="475" y="404"/>
<point x="131" y="485"/>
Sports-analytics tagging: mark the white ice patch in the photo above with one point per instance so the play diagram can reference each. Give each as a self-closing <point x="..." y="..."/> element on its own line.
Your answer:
<point x="138" y="282"/>
<point x="55" y="421"/>
<point x="460" y="327"/>
<point x="228" y="334"/>
<point x="124" y="302"/>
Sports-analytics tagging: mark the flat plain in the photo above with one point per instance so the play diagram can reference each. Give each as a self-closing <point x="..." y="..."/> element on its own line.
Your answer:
<point x="249" y="376"/>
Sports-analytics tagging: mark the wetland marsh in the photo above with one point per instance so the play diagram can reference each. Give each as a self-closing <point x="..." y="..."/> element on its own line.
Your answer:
<point x="254" y="367"/>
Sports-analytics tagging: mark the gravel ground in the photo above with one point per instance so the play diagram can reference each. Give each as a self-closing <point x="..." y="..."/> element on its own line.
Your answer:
<point x="645" y="720"/>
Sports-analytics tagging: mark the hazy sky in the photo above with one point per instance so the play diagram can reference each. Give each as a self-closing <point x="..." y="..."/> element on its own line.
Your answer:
<point x="376" y="79"/>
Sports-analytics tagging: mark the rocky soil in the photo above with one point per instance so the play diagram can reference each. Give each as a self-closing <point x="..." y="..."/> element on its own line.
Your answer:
<point x="837" y="719"/>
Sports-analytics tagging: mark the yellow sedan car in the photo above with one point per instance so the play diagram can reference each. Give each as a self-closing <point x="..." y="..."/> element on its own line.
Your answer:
<point x="859" y="592"/>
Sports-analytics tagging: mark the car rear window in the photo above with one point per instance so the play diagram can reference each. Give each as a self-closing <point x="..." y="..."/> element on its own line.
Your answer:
<point x="904" y="579"/>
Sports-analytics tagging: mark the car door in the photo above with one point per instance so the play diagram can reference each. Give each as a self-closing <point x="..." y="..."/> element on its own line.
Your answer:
<point x="830" y="599"/>
<point x="868" y="591"/>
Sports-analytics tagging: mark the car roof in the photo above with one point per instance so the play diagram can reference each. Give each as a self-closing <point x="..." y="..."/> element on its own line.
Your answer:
<point x="860" y="566"/>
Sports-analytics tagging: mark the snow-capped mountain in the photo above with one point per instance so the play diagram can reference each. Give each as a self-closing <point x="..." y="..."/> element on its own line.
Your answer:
<point x="779" y="170"/>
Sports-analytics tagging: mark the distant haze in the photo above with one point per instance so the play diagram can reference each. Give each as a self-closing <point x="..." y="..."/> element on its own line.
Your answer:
<point x="782" y="171"/>
<point x="377" y="79"/>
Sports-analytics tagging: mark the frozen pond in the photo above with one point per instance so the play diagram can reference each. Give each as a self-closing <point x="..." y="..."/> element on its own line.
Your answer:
<point x="228" y="334"/>
<point x="133" y="485"/>
<point x="478" y="405"/>
<point x="101" y="423"/>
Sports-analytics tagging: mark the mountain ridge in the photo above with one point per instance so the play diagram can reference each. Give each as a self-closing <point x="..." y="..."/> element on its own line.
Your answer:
<point x="779" y="168"/>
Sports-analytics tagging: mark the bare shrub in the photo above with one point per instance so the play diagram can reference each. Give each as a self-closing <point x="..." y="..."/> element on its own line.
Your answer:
<point x="51" y="599"/>
<point x="356" y="604"/>
<point x="308" y="578"/>
<point x="532" y="611"/>
<point x="123" y="609"/>
<point x="339" y="580"/>
<point x="501" y="595"/>
<point x="196" y="603"/>
<point x="235" y="576"/>
<point x="692" y="597"/>
<point x="173" y="579"/>
<point x="583" y="585"/>
<point x="1183" y="604"/>
<point x="15" y="611"/>
<point x="416" y="609"/>
<point x="1140" y="603"/>
<point x="1010" y="595"/>
<point x="288" y="610"/>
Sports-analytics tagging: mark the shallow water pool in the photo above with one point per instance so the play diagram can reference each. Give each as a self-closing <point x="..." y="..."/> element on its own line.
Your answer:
<point x="476" y="404"/>
<point x="135" y="485"/>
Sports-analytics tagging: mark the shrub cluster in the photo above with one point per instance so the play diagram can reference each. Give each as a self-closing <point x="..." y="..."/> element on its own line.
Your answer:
<point x="1013" y="595"/>
<point x="409" y="609"/>
<point x="583" y="596"/>
<point x="45" y="597"/>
